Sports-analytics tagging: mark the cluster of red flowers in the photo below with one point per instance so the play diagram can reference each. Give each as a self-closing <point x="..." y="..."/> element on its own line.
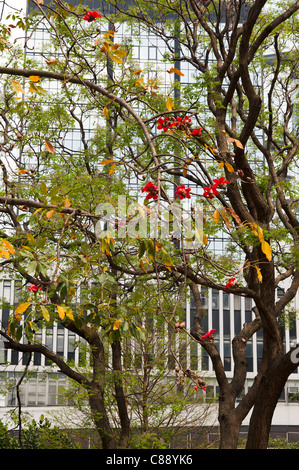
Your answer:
<point x="181" y="374"/>
<point x="151" y="189"/>
<point x="91" y="16"/>
<point x="168" y="122"/>
<point x="34" y="288"/>
<point x="208" y="336"/>
<point x="196" y="131"/>
<point x="182" y="192"/>
<point x="180" y="123"/>
<point x="201" y="384"/>
<point x="210" y="192"/>
<point x="230" y="283"/>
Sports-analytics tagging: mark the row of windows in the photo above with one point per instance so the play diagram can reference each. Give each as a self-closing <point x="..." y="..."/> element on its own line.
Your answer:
<point x="38" y="390"/>
<point x="226" y="313"/>
<point x="48" y="390"/>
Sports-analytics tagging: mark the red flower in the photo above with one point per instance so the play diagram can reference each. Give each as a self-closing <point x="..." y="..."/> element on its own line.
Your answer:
<point x="208" y="335"/>
<point x="211" y="192"/>
<point x="151" y="189"/>
<point x="221" y="182"/>
<point x="91" y="16"/>
<point x="34" y="288"/>
<point x="230" y="283"/>
<point x="182" y="192"/>
<point x="196" y="131"/>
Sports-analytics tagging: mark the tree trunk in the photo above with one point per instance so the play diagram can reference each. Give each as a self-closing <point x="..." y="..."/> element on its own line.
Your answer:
<point x="260" y="422"/>
<point x="269" y="391"/>
<point x="229" y="422"/>
<point x="120" y="395"/>
<point x="100" y="417"/>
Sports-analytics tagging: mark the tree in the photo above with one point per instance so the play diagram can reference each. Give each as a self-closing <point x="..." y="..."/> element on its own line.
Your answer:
<point x="239" y="146"/>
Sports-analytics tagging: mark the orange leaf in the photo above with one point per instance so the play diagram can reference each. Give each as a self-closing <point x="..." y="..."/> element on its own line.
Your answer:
<point x="52" y="61"/>
<point x="34" y="78"/>
<point x="176" y="71"/>
<point x="112" y="168"/>
<point x="105" y="162"/>
<point x="226" y="220"/>
<point x="116" y="325"/>
<point x="67" y="203"/>
<point x="17" y="87"/>
<point x="216" y="216"/>
<point x="9" y="247"/>
<point x="50" y="214"/>
<point x="233" y="214"/>
<point x="49" y="146"/>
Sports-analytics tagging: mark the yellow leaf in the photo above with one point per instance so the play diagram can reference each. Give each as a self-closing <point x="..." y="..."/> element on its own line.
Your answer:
<point x="50" y="214"/>
<point x="17" y="87"/>
<point x="216" y="216"/>
<point x="30" y="238"/>
<point x="105" y="112"/>
<point x="116" y="325"/>
<point x="266" y="249"/>
<point x="69" y="314"/>
<point x="169" y="104"/>
<point x="221" y="165"/>
<point x="34" y="78"/>
<point x="229" y="167"/>
<point x="176" y="71"/>
<point x="116" y="58"/>
<point x="37" y="210"/>
<point x="201" y="236"/>
<point x="22" y="308"/>
<point x="45" y="313"/>
<point x="259" y="274"/>
<point x="61" y="312"/>
<point x="49" y="146"/>
<point x="260" y="234"/>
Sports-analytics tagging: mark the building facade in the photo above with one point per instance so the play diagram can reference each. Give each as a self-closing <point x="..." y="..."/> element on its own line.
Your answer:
<point x="225" y="312"/>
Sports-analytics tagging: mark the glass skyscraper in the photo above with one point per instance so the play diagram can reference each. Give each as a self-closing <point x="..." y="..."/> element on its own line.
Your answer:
<point x="224" y="312"/>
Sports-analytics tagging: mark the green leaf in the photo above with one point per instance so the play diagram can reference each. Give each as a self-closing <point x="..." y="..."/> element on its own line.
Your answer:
<point x="19" y="333"/>
<point x="32" y="267"/>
